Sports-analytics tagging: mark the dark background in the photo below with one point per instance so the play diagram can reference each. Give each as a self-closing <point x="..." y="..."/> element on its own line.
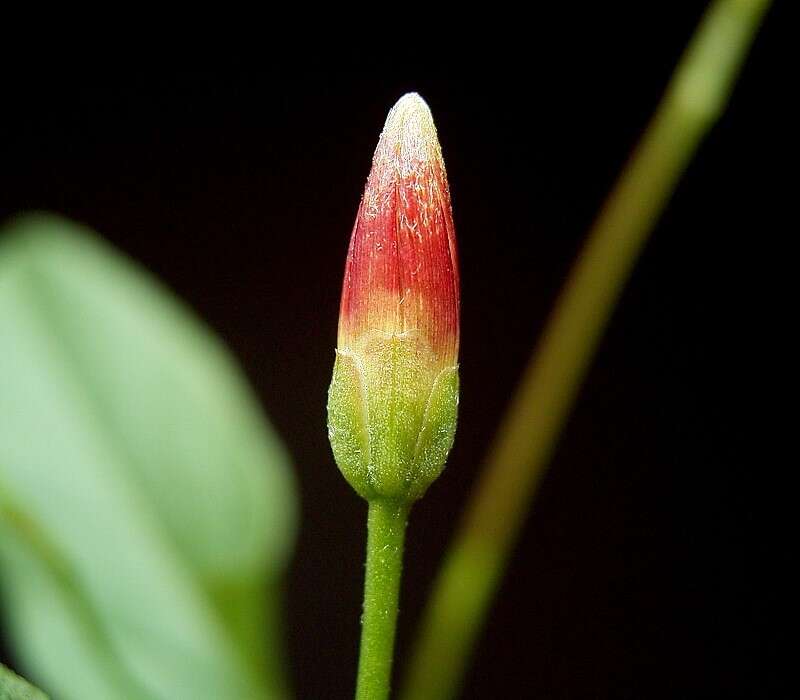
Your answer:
<point x="239" y="189"/>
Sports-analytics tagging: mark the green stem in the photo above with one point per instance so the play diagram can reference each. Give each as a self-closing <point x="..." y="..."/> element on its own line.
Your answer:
<point x="469" y="577"/>
<point x="386" y="535"/>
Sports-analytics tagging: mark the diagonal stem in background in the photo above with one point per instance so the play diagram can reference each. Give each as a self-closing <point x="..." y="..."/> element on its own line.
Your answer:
<point x="469" y="577"/>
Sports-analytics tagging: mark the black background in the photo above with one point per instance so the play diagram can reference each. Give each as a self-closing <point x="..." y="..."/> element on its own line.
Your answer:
<point x="239" y="189"/>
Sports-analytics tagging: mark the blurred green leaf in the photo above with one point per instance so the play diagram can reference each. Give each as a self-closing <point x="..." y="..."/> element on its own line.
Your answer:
<point x="12" y="687"/>
<point x="146" y="507"/>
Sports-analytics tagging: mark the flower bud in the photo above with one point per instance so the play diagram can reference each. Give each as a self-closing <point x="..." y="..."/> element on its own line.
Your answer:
<point x="393" y="400"/>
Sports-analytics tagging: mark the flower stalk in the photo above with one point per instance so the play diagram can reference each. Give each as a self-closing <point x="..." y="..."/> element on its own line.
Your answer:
<point x="386" y="528"/>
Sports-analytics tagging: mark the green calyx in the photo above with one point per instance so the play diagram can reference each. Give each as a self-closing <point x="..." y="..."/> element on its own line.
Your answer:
<point x="391" y="416"/>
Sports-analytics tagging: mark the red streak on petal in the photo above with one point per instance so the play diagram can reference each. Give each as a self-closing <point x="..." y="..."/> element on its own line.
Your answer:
<point x="401" y="274"/>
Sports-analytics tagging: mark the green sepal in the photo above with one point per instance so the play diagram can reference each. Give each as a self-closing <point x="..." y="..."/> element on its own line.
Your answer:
<point x="392" y="413"/>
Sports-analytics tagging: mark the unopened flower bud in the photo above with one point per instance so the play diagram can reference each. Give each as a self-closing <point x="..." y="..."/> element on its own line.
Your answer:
<point x="393" y="400"/>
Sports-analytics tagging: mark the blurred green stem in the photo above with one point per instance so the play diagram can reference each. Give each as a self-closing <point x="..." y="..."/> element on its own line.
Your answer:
<point x="386" y="534"/>
<point x="469" y="577"/>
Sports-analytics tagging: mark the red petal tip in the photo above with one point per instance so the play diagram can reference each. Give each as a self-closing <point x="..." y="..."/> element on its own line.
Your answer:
<point x="401" y="275"/>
